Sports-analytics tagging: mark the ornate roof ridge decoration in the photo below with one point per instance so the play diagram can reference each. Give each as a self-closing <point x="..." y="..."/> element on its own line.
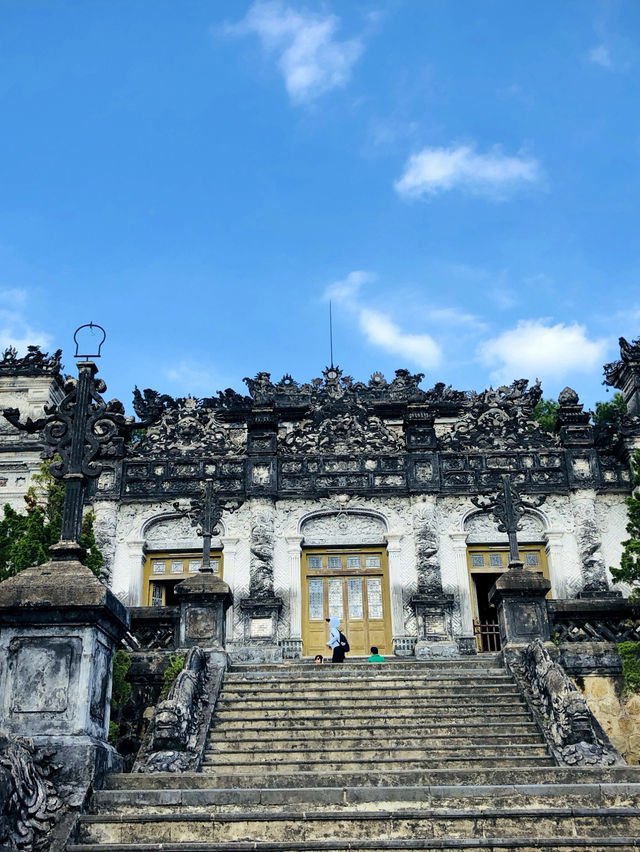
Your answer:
<point x="500" y="419"/>
<point x="184" y="425"/>
<point x="34" y="363"/>
<point x="341" y="428"/>
<point x="334" y="385"/>
<point x="614" y="372"/>
<point x="625" y="376"/>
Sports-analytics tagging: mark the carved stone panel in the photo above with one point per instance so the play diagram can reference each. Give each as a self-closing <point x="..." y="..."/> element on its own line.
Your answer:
<point x="42" y="669"/>
<point x="482" y="529"/>
<point x="172" y="533"/>
<point x="200" y="623"/>
<point x="345" y="528"/>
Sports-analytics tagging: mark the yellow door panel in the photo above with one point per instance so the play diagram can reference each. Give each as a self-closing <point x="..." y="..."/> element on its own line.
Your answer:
<point x="352" y="585"/>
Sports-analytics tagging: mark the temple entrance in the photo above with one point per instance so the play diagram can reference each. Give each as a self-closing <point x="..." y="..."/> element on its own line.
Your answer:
<point x="486" y="564"/>
<point x="353" y="585"/>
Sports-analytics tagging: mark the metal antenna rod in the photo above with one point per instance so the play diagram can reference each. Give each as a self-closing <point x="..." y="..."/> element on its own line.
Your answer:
<point x="331" y="332"/>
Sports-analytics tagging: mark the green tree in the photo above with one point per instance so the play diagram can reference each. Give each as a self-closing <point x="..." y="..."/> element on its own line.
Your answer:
<point x="93" y="555"/>
<point x="629" y="570"/>
<point x="610" y="411"/>
<point x="25" y="539"/>
<point x="544" y="413"/>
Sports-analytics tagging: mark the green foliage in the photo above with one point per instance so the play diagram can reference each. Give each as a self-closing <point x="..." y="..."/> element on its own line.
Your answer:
<point x="176" y="661"/>
<point x="136" y="435"/>
<point x="93" y="555"/>
<point x="629" y="570"/>
<point x="120" y="691"/>
<point x="25" y="539"/>
<point x="611" y="410"/>
<point x="53" y="490"/>
<point x="544" y="413"/>
<point x="121" y="688"/>
<point x="630" y="655"/>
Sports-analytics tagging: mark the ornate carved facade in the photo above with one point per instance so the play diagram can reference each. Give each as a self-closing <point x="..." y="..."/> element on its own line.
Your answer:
<point x="335" y="467"/>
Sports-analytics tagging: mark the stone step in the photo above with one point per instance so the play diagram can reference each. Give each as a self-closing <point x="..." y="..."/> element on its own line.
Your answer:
<point x="268" y="743"/>
<point x="351" y="664"/>
<point x="488" y="844"/>
<point x="367" y="715"/>
<point x="335" y="753"/>
<point x="453" y="701"/>
<point x="379" y="677"/>
<point x="310" y="799"/>
<point x="300" y="763"/>
<point x="407" y="726"/>
<point x="429" y="780"/>
<point x="361" y="692"/>
<point x="403" y="824"/>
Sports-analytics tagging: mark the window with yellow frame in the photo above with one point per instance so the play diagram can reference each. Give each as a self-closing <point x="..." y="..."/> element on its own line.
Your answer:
<point x="163" y="571"/>
<point x="486" y="563"/>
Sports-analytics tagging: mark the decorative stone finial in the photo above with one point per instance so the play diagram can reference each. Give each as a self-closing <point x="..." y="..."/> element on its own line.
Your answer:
<point x="568" y="396"/>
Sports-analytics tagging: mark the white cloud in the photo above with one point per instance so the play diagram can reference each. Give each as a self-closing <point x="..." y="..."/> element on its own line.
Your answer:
<point x="601" y="56"/>
<point x="13" y="296"/>
<point x="456" y="318"/>
<point x="15" y="330"/>
<point x="381" y="331"/>
<point x="434" y="170"/>
<point x="311" y="59"/>
<point x="420" y="349"/>
<point x="536" y="349"/>
<point x="346" y="290"/>
<point x="186" y="374"/>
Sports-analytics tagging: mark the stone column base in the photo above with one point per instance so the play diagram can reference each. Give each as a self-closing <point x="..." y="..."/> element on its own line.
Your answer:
<point x="436" y="649"/>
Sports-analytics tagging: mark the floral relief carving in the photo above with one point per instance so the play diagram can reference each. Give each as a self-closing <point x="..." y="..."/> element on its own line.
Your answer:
<point x="426" y="543"/>
<point x="187" y="426"/>
<point x="341" y="433"/>
<point x="499" y="419"/>
<point x="262" y="554"/>
<point x="346" y="527"/>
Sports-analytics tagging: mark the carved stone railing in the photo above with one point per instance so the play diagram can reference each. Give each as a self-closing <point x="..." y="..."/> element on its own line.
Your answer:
<point x="152" y="628"/>
<point x="571" y="731"/>
<point x="176" y="736"/>
<point x="291" y="649"/>
<point x="594" y="620"/>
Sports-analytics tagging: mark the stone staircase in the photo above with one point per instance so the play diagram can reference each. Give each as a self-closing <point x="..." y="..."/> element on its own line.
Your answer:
<point x="399" y="755"/>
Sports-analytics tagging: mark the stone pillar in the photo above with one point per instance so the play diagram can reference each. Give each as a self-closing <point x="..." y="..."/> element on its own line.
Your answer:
<point x="135" y="563"/>
<point x="589" y="541"/>
<point x="229" y="555"/>
<point x="432" y="608"/>
<point x="261" y="609"/>
<point x="554" y="550"/>
<point x="105" y="526"/>
<point x="294" y="543"/>
<point x="394" y="550"/>
<point x="519" y="597"/>
<point x="459" y="545"/>
<point x="59" y="628"/>
<point x="204" y="599"/>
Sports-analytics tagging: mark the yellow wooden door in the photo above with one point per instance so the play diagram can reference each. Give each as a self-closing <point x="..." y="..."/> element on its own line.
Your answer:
<point x="352" y="586"/>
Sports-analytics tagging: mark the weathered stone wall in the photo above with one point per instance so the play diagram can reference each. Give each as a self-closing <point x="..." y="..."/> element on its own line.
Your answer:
<point x="617" y="711"/>
<point x="127" y="530"/>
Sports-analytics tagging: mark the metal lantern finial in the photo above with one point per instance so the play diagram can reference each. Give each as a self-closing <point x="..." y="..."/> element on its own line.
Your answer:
<point x="87" y="355"/>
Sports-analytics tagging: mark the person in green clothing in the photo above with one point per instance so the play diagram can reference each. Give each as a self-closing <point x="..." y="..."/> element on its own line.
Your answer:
<point x="375" y="656"/>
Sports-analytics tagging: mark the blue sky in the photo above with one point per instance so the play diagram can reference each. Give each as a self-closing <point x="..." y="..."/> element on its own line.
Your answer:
<point x="461" y="178"/>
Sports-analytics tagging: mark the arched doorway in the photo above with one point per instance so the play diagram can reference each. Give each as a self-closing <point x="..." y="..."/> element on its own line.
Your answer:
<point x="345" y="574"/>
<point x="488" y="558"/>
<point x="172" y="552"/>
